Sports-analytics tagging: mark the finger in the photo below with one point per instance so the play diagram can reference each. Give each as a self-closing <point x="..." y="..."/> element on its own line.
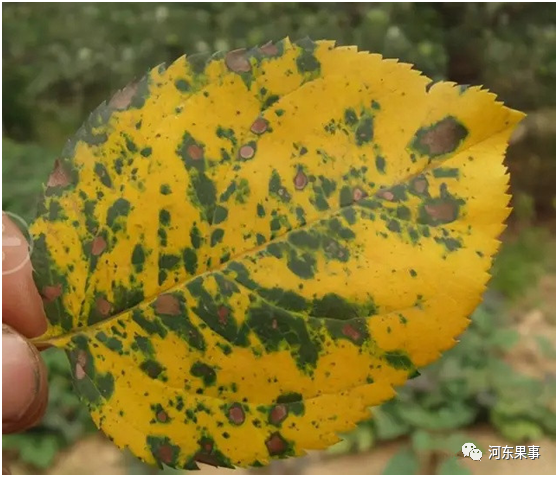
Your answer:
<point x="24" y="383"/>
<point x="22" y="307"/>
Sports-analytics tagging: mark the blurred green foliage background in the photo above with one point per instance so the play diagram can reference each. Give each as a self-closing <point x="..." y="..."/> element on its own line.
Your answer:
<point x="61" y="60"/>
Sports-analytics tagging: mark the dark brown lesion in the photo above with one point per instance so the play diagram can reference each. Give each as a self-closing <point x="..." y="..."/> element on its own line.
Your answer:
<point x="163" y="449"/>
<point x="420" y="186"/>
<point x="259" y="126"/>
<point x="195" y="151"/>
<point x="98" y="246"/>
<point x="358" y="194"/>
<point x="167" y="304"/>
<point x="208" y="453"/>
<point x="103" y="306"/>
<point x="278" y="414"/>
<point x="300" y="180"/>
<point x="442" y="211"/>
<point x="192" y="152"/>
<point x="270" y="49"/>
<point x="81" y="362"/>
<point x="165" y="454"/>
<point x="59" y="177"/>
<point x="351" y="332"/>
<point x="236" y="414"/>
<point x="207" y="459"/>
<point x="123" y="98"/>
<point x="237" y="61"/>
<point x="247" y="151"/>
<point x="354" y="330"/>
<point x="277" y="445"/>
<point x="223" y="313"/>
<point x="51" y="293"/>
<point x="386" y="194"/>
<point x="160" y="414"/>
<point x="441" y="138"/>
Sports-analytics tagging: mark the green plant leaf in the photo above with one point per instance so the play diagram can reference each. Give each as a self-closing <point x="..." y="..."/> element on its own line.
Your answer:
<point x="422" y="441"/>
<point x="452" y="415"/>
<point x="344" y="446"/>
<point x="504" y="339"/>
<point x="405" y="462"/>
<point x="38" y="450"/>
<point x="517" y="429"/>
<point x="453" y="442"/>
<point x="364" y="438"/>
<point x="387" y="422"/>
<point x="548" y="350"/>
<point x="451" y="466"/>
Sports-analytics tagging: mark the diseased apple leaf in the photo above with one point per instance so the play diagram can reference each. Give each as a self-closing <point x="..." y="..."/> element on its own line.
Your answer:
<point x="242" y="253"/>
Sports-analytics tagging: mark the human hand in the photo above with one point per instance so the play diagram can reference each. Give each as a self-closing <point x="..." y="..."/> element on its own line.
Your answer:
<point x="24" y="377"/>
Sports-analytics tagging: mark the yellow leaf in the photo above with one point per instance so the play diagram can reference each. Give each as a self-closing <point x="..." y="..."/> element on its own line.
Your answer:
<point x="242" y="254"/>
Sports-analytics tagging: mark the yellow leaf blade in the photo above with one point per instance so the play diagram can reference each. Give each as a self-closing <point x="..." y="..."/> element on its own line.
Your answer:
<point x="241" y="256"/>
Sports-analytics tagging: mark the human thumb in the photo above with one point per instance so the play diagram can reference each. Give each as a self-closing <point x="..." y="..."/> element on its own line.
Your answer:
<point x="24" y="383"/>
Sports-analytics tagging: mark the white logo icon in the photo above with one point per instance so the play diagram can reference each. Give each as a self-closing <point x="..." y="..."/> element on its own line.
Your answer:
<point x="476" y="454"/>
<point x="467" y="448"/>
<point x="470" y="450"/>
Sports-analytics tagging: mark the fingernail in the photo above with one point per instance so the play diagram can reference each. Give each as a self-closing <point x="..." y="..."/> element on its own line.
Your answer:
<point x="20" y="376"/>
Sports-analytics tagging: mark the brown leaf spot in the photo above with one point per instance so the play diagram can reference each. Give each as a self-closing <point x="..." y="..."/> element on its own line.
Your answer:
<point x="223" y="313"/>
<point x="236" y="414"/>
<point x="278" y="414"/>
<point x="276" y="445"/>
<point x="350" y="332"/>
<point x="259" y="126"/>
<point x="236" y="61"/>
<point x="123" y="98"/>
<point x="332" y="247"/>
<point x="58" y="177"/>
<point x="269" y="49"/>
<point x="274" y="323"/>
<point x="165" y="453"/>
<point x="386" y="194"/>
<point x="420" y="185"/>
<point x="358" y="194"/>
<point x="80" y="372"/>
<point x="300" y="180"/>
<point x="167" y="304"/>
<point x="162" y="416"/>
<point x="51" y="293"/>
<point x="82" y="358"/>
<point x="445" y="211"/>
<point x="81" y="361"/>
<point x="195" y="152"/>
<point x="444" y="137"/>
<point x="247" y="152"/>
<point x="98" y="246"/>
<point x="208" y="459"/>
<point x="103" y="306"/>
